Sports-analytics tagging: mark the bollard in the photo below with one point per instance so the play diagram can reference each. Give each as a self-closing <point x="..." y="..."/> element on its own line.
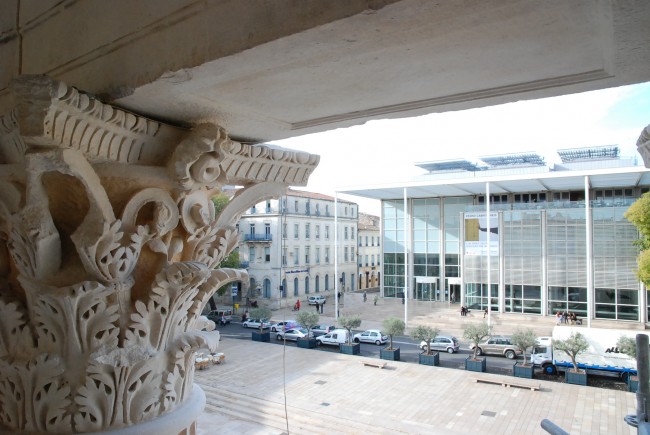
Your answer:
<point x="553" y="428"/>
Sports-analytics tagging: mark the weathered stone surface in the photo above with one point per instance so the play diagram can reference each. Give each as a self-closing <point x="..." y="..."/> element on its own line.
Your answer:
<point x="109" y="248"/>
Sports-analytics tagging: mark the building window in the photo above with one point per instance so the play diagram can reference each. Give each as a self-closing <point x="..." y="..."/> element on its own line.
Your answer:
<point x="307" y="208"/>
<point x="295" y="287"/>
<point x="327" y="232"/>
<point x="327" y="282"/>
<point x="284" y="256"/>
<point x="317" y="284"/>
<point x="307" y="231"/>
<point x="306" y="254"/>
<point x="306" y="285"/>
<point x="296" y="231"/>
<point x="327" y="210"/>
<point x="267" y="254"/>
<point x="367" y="260"/>
<point x="251" y="254"/>
<point x="345" y="233"/>
<point x="251" y="231"/>
<point x="317" y="229"/>
<point x="317" y="255"/>
<point x="327" y="255"/>
<point x="267" y="231"/>
<point x="345" y="210"/>
<point x="268" y="207"/>
<point x="317" y="209"/>
<point x="296" y="256"/>
<point x="284" y="230"/>
<point x="351" y="254"/>
<point x="373" y="239"/>
<point x="345" y="254"/>
<point x="295" y="206"/>
<point x="351" y="233"/>
<point x="360" y="239"/>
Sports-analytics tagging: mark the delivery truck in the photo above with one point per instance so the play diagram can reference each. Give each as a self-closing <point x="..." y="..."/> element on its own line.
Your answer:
<point x="602" y="358"/>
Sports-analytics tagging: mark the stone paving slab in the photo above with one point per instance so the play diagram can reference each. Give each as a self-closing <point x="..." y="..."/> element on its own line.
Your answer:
<point x="332" y="393"/>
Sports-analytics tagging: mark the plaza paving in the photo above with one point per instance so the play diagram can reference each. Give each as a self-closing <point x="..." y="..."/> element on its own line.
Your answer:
<point x="269" y="389"/>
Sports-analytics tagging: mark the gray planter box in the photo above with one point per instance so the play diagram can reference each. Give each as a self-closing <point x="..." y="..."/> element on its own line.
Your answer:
<point x="522" y="371"/>
<point x="429" y="360"/>
<point x="575" y="378"/>
<point x="261" y="336"/>
<point x="390" y="355"/>
<point x="633" y="384"/>
<point x="477" y="365"/>
<point x="309" y="343"/>
<point x="350" y="349"/>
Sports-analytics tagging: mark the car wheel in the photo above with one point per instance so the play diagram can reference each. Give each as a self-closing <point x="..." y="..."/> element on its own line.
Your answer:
<point x="278" y="337"/>
<point x="510" y="354"/>
<point x="549" y="369"/>
<point x="479" y="351"/>
<point x="377" y="342"/>
<point x="450" y="350"/>
<point x="274" y="330"/>
<point x="356" y="340"/>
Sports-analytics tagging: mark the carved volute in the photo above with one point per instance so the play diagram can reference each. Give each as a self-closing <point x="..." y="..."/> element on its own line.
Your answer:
<point x="109" y="248"/>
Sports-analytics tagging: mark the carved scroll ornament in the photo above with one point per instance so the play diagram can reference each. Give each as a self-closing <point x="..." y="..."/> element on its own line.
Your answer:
<point x="108" y="255"/>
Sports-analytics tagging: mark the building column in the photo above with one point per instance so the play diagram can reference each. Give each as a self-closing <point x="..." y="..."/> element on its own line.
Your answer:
<point x="109" y="248"/>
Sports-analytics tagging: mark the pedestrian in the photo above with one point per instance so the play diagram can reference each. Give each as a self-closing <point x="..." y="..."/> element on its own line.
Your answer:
<point x="558" y="317"/>
<point x="365" y="296"/>
<point x="376" y="299"/>
<point x="298" y="305"/>
<point x="463" y="310"/>
<point x="317" y="308"/>
<point x="564" y="317"/>
<point x="485" y="313"/>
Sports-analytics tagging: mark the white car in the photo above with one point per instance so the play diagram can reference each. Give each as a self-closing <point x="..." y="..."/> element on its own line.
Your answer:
<point x="370" y="336"/>
<point x="281" y="326"/>
<point x="256" y="323"/>
<point x="291" y="334"/>
<point x="316" y="300"/>
<point x="443" y="343"/>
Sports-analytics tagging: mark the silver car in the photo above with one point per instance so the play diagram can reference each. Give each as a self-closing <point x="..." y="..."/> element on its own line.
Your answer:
<point x="498" y="345"/>
<point x="442" y="343"/>
<point x="370" y="336"/>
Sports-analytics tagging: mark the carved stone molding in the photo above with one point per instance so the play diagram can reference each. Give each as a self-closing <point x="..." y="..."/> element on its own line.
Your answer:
<point x="109" y="248"/>
<point x="643" y="145"/>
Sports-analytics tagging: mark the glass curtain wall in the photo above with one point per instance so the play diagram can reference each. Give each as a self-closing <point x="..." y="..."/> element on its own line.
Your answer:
<point x="426" y="246"/>
<point x="522" y="245"/>
<point x="394" y="237"/>
<point x="616" y="285"/>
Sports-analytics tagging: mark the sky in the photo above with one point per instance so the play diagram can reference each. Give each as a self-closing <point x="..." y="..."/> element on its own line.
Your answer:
<point x="386" y="151"/>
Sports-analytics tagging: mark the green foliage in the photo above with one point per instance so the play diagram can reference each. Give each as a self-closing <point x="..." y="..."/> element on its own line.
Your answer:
<point x="349" y="323"/>
<point x="263" y="313"/>
<point x="425" y="333"/>
<point x="220" y="201"/>
<point x="639" y="215"/>
<point x="627" y="345"/>
<point x="308" y="319"/>
<point x="232" y="260"/>
<point x="476" y="333"/>
<point x="572" y="346"/>
<point x="524" y="339"/>
<point x="393" y="326"/>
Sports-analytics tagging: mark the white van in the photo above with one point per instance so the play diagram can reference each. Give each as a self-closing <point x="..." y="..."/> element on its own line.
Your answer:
<point x="316" y="300"/>
<point x="334" y="338"/>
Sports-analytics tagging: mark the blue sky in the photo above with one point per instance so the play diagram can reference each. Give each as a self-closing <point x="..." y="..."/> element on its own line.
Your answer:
<point x="390" y="148"/>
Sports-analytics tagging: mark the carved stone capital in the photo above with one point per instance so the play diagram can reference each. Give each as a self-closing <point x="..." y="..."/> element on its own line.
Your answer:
<point x="109" y="244"/>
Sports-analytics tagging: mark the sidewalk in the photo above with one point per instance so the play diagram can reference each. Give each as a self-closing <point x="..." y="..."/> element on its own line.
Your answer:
<point x="271" y="389"/>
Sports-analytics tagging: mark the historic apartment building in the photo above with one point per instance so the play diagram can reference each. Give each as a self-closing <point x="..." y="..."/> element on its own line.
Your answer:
<point x="289" y="247"/>
<point x="556" y="238"/>
<point x="369" y="251"/>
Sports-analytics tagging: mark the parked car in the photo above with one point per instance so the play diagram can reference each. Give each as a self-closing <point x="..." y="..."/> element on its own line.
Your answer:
<point x="283" y="326"/>
<point x="370" y="336"/>
<point x="498" y="345"/>
<point x="334" y="338"/>
<point x="221" y="315"/>
<point x="316" y="300"/>
<point x="443" y="343"/>
<point x="322" y="329"/>
<point x="255" y="323"/>
<point x="291" y="334"/>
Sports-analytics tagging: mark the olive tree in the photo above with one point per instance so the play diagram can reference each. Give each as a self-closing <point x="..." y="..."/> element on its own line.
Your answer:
<point x="476" y="333"/>
<point x="426" y="334"/>
<point x="639" y="215"/>
<point x="573" y="346"/>
<point x="261" y="313"/>
<point x="627" y="345"/>
<point x="393" y="326"/>
<point x="349" y="323"/>
<point x="524" y="339"/>
<point x="308" y="319"/>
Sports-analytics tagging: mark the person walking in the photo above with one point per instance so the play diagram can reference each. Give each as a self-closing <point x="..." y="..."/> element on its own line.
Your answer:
<point x="365" y="296"/>
<point x="485" y="313"/>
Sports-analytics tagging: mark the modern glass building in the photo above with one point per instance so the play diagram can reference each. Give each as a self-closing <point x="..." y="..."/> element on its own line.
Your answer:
<point x="556" y="238"/>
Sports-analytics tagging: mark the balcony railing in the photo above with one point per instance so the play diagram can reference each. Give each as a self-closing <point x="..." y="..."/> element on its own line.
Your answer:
<point x="258" y="237"/>
<point x="244" y="264"/>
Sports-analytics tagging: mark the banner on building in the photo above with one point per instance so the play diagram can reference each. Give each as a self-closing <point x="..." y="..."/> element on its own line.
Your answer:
<point x="477" y="228"/>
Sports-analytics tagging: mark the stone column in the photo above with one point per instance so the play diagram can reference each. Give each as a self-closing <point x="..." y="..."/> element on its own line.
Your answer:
<point x="109" y="243"/>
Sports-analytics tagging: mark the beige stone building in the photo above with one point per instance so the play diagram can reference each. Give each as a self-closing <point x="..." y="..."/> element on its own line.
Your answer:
<point x="369" y="251"/>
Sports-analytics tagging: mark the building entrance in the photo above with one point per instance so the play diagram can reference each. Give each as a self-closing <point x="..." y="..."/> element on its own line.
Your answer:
<point x="426" y="289"/>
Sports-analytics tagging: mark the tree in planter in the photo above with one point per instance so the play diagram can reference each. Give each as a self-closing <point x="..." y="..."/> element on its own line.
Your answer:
<point x="476" y="333"/>
<point x="393" y="326"/>
<point x="524" y="339"/>
<point x="308" y="319"/>
<point x="349" y="323"/>
<point x="426" y="334"/>
<point x="572" y="346"/>
<point x="627" y="345"/>
<point x="261" y="313"/>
